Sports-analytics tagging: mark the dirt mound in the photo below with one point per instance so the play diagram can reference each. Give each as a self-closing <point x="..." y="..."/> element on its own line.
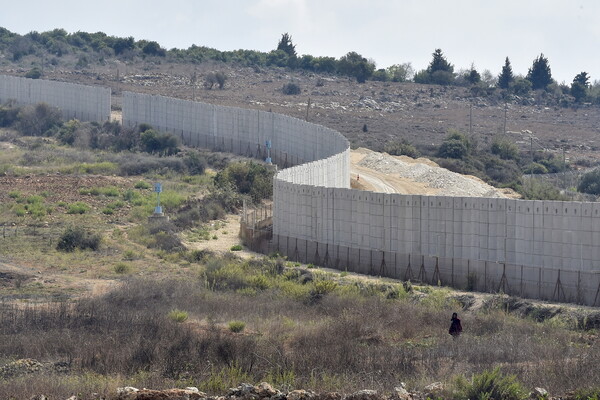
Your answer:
<point x="437" y="181"/>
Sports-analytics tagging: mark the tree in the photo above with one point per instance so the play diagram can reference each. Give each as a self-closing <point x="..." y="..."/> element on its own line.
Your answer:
<point x="590" y="183"/>
<point x="439" y="63"/>
<point x="353" y="64"/>
<point x="473" y="77"/>
<point x="580" y="86"/>
<point x="539" y="74"/>
<point x="506" y="77"/>
<point x="401" y="72"/>
<point x="285" y="44"/>
<point x="154" y="49"/>
<point x="439" y="71"/>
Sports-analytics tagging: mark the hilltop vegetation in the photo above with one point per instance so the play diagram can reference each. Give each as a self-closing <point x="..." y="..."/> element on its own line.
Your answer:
<point x="96" y="48"/>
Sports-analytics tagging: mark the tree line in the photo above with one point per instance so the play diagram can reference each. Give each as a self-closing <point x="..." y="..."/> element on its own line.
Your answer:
<point x="97" y="47"/>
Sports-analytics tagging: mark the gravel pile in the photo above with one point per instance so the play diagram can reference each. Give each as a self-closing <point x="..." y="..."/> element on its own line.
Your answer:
<point x="449" y="183"/>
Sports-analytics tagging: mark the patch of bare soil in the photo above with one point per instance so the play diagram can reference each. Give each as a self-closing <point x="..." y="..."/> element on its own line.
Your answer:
<point x="227" y="237"/>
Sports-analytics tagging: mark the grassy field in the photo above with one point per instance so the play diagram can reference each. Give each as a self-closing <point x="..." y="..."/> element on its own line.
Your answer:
<point x="131" y="304"/>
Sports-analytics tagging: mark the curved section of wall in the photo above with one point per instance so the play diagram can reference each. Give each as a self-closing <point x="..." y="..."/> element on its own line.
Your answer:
<point x="540" y="249"/>
<point x="320" y="155"/>
<point x="85" y="103"/>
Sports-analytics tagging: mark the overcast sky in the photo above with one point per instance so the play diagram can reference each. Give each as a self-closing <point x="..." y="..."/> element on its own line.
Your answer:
<point x="482" y="32"/>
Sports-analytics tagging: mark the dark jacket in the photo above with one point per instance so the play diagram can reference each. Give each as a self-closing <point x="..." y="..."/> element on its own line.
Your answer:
<point x="455" y="327"/>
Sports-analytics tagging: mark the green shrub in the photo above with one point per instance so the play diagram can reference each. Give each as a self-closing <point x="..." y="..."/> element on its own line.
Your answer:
<point x="78" y="238"/>
<point x="588" y="394"/>
<point x="236" y="326"/>
<point x="14" y="194"/>
<point x="236" y="247"/>
<point x="122" y="268"/>
<point x="34" y="73"/>
<point x="491" y="385"/>
<point x="142" y="185"/>
<point x="19" y="210"/>
<point x="590" y="183"/>
<point x="505" y="149"/>
<point x="535" y="168"/>
<point x="178" y="316"/>
<point x="247" y="178"/>
<point x="402" y="148"/>
<point x="291" y="89"/>
<point x="456" y="145"/>
<point x="78" y="207"/>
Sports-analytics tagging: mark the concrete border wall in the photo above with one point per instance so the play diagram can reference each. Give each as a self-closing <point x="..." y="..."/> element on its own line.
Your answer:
<point x="85" y="103"/>
<point x="541" y="249"/>
<point x="321" y="155"/>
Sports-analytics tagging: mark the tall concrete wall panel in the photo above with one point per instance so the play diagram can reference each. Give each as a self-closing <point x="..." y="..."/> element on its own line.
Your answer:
<point x="85" y="103"/>
<point x="543" y="249"/>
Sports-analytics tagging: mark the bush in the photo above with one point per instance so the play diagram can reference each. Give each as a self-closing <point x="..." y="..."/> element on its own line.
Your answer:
<point x="78" y="207"/>
<point x="142" y="185"/>
<point x="453" y="149"/>
<point x="236" y="326"/>
<point x="78" y="238"/>
<point x="213" y="78"/>
<point x="236" y="247"/>
<point x="122" y="268"/>
<point x="291" y="89"/>
<point x="161" y="143"/>
<point x="456" y="145"/>
<point x="178" y="316"/>
<point x="505" y="149"/>
<point x="491" y="385"/>
<point x="402" y="148"/>
<point x="34" y="73"/>
<point x="249" y="178"/>
<point x="37" y="120"/>
<point x="590" y="183"/>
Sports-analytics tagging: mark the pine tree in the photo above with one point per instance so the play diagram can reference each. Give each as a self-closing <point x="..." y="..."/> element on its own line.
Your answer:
<point x="285" y="44"/>
<point x="506" y="77"/>
<point x="580" y="85"/>
<point x="439" y="63"/>
<point x="539" y="74"/>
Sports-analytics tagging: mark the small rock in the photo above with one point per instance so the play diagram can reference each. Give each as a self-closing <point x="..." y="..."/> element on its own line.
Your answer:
<point x="401" y="393"/>
<point x="539" y="392"/>
<point x="363" y="395"/>
<point x="329" y="396"/>
<point x="435" y="387"/>
<point x="300" y="395"/>
<point x="265" y="390"/>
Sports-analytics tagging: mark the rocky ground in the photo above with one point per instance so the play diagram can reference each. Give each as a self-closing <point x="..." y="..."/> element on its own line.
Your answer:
<point x="389" y="111"/>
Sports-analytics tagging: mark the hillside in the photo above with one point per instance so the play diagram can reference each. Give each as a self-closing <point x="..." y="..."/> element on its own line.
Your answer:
<point x="153" y="305"/>
<point x="422" y="114"/>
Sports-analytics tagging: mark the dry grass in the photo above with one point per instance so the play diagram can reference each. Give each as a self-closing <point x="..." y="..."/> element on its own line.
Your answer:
<point x="348" y="339"/>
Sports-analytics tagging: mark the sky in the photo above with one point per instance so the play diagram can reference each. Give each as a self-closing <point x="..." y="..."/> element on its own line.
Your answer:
<point x="478" y="32"/>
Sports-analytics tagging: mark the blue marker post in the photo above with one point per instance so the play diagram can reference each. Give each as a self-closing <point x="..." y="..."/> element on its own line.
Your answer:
<point x="158" y="208"/>
<point x="268" y="146"/>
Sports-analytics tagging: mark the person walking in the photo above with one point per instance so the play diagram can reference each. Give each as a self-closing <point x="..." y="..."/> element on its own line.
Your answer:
<point x="455" y="326"/>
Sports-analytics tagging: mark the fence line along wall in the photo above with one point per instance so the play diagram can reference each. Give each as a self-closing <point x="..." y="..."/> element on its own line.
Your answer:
<point x="85" y="103"/>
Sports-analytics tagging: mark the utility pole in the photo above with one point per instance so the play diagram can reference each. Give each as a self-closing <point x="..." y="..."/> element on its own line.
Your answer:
<point x="193" y="80"/>
<point x="564" y="170"/>
<point x="470" y="119"/>
<point x="505" y="111"/>
<point x="531" y="164"/>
